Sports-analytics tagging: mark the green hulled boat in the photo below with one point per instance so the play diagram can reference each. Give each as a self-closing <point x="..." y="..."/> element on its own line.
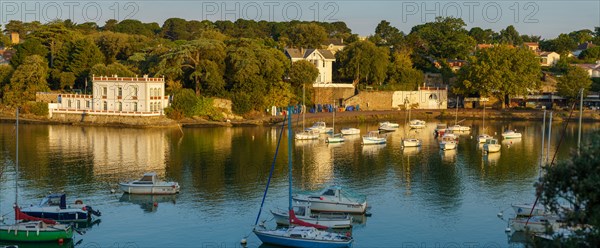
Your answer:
<point x="35" y="231"/>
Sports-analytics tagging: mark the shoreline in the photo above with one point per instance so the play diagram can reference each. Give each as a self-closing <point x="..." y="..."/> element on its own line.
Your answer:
<point x="346" y="117"/>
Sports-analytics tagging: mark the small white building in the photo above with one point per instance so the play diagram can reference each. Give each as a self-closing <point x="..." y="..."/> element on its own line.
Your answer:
<point x="593" y="70"/>
<point x="548" y="58"/>
<point x="131" y="96"/>
<point x="322" y="59"/>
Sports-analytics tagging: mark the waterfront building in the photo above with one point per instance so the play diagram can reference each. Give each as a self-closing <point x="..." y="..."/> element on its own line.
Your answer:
<point x="322" y="59"/>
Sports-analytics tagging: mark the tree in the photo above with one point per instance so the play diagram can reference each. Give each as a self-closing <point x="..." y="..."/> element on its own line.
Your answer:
<point x="575" y="181"/>
<point x="67" y="79"/>
<point x="501" y="71"/>
<point x="27" y="79"/>
<point x="363" y="61"/>
<point x="444" y="38"/>
<point x="309" y="35"/>
<point x="79" y="57"/>
<point x="401" y="73"/>
<point x="6" y="72"/>
<point x="581" y="36"/>
<point x="115" y="68"/>
<point x="387" y="35"/>
<point x="569" y="85"/>
<point x="590" y="54"/>
<point x="510" y="36"/>
<point x="26" y="49"/>
<point x="302" y="73"/>
<point x="563" y="44"/>
<point x="202" y="61"/>
<point x="185" y="101"/>
<point x="482" y="36"/>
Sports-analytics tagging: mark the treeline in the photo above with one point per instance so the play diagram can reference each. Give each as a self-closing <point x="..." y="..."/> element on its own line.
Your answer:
<point x="244" y="60"/>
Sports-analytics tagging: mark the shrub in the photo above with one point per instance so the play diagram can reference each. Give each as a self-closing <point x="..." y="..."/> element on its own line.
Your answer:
<point x="174" y="114"/>
<point x="184" y="101"/>
<point x="242" y="103"/>
<point x="204" y="107"/>
<point x="37" y="108"/>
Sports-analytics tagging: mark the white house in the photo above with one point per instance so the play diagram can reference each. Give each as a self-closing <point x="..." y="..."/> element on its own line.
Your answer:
<point x="131" y="96"/>
<point x="593" y="70"/>
<point x="548" y="58"/>
<point x="322" y="59"/>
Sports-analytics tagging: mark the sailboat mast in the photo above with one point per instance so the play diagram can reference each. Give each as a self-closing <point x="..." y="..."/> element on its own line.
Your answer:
<point x="549" y="138"/>
<point x="290" y="158"/>
<point x="483" y="116"/>
<point x="303" y="111"/>
<point x="456" y="115"/>
<point x="580" y="116"/>
<point x="17" y="163"/>
<point x="543" y="136"/>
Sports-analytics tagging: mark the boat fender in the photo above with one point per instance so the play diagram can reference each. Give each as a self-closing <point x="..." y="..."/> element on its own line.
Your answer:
<point x="348" y="234"/>
<point x="79" y="202"/>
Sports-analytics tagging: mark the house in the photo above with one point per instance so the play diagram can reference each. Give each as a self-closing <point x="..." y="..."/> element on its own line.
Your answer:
<point x="582" y="47"/>
<point x="322" y="59"/>
<point x="483" y="46"/>
<point x="593" y="70"/>
<point x="548" y="58"/>
<point x="114" y="95"/>
<point x="533" y="46"/>
<point x="334" y="45"/>
<point x="456" y="64"/>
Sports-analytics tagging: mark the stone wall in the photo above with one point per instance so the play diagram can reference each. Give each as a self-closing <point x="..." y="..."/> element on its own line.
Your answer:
<point x="80" y="119"/>
<point x="372" y="100"/>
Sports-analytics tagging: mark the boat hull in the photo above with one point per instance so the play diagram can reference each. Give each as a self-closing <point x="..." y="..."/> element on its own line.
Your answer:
<point x="525" y="210"/>
<point x="491" y="147"/>
<point x="350" y="131"/>
<point x="447" y="146"/>
<point x="335" y="140"/>
<point x="343" y="221"/>
<point x="373" y="141"/>
<point x="62" y="215"/>
<point x="411" y="143"/>
<point x="269" y="237"/>
<point x="149" y="189"/>
<point x="23" y="232"/>
<point x="318" y="205"/>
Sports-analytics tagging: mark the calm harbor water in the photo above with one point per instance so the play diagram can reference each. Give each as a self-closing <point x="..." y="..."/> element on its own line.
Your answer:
<point x="420" y="197"/>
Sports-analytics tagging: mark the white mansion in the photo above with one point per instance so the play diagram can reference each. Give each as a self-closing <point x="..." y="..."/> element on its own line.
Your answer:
<point x="129" y="96"/>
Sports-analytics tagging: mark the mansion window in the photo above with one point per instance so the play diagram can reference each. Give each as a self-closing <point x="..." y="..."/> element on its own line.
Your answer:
<point x="120" y="106"/>
<point x="105" y="105"/>
<point x="120" y="92"/>
<point x="104" y="91"/>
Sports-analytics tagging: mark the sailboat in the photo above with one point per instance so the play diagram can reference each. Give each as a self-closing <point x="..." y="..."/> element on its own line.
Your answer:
<point x="27" y="228"/>
<point x="412" y="142"/>
<point x="305" y="134"/>
<point x="300" y="233"/>
<point x="335" y="137"/>
<point x="457" y="127"/>
<point x="483" y="136"/>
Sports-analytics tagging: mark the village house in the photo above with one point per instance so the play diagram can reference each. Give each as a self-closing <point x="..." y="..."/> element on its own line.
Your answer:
<point x="124" y="96"/>
<point x="533" y="46"/>
<point x="548" y="58"/>
<point x="334" y="45"/>
<point x="582" y="47"/>
<point x="593" y="70"/>
<point x="322" y="59"/>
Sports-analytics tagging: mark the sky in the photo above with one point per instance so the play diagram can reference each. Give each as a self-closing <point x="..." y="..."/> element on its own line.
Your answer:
<point x="545" y="18"/>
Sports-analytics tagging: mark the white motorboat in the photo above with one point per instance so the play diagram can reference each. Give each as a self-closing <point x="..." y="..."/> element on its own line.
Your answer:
<point x="320" y="127"/>
<point x="525" y="209"/>
<point x="388" y="126"/>
<point x="306" y="135"/>
<point x="510" y="134"/>
<point x="483" y="137"/>
<point x="334" y="199"/>
<point x="535" y="224"/>
<point x="448" y="143"/>
<point x="54" y="206"/>
<point x="492" y="145"/>
<point x="459" y="128"/>
<point x="301" y="236"/>
<point x="440" y="129"/>
<point x="416" y="124"/>
<point x="303" y="212"/>
<point x="373" y="138"/>
<point x="411" y="142"/>
<point x="335" y="138"/>
<point x="150" y="184"/>
<point x="350" y="131"/>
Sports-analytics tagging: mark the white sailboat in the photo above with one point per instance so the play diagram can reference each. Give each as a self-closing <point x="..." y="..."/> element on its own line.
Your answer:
<point x="373" y="138"/>
<point x="300" y="233"/>
<point x="483" y="136"/>
<point x="350" y="131"/>
<point x="305" y="134"/>
<point x="334" y="199"/>
<point x="411" y="142"/>
<point x="387" y="126"/>
<point x="456" y="126"/>
<point x="334" y="137"/>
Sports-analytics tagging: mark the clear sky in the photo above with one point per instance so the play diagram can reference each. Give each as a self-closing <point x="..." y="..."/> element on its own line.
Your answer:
<point x="545" y="18"/>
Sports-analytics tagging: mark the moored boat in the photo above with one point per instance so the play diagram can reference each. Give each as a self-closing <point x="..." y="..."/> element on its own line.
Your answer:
<point x="440" y="129"/>
<point x="373" y="138"/>
<point x="303" y="212"/>
<point x="54" y="206"/>
<point x="320" y="127"/>
<point x="483" y="137"/>
<point x="416" y="124"/>
<point x="525" y="209"/>
<point x="388" y="126"/>
<point x="301" y="236"/>
<point x="448" y="143"/>
<point x="535" y="224"/>
<point x="411" y="142"/>
<point x="350" y="131"/>
<point x="334" y="199"/>
<point x="510" y="134"/>
<point x="150" y="184"/>
<point x="492" y="145"/>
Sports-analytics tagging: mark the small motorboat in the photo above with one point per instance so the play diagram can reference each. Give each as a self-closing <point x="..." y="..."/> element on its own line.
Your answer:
<point x="510" y="134"/>
<point x="492" y="145"/>
<point x="335" y="138"/>
<point x="307" y="135"/>
<point x="54" y="206"/>
<point x="301" y="236"/>
<point x="412" y="142"/>
<point x="150" y="184"/>
<point x="440" y="129"/>
<point x="373" y="138"/>
<point x="388" y="126"/>
<point x="417" y="124"/>
<point x="459" y="128"/>
<point x="350" y="131"/>
<point x="483" y="137"/>
<point x="334" y="199"/>
<point x="303" y="212"/>
<point x="448" y="142"/>
<point x="525" y="209"/>
<point x="320" y="127"/>
<point x="535" y="224"/>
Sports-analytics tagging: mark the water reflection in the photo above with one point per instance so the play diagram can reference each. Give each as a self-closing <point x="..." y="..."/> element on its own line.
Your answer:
<point x="149" y="203"/>
<point x="449" y="156"/>
<point x="492" y="158"/>
<point x="372" y="149"/>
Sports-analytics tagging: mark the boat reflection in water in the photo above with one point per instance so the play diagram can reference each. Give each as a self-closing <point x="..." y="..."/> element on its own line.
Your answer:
<point x="149" y="203"/>
<point x="372" y="149"/>
<point x="411" y="150"/>
<point x="492" y="158"/>
<point x="68" y="243"/>
<point x="449" y="155"/>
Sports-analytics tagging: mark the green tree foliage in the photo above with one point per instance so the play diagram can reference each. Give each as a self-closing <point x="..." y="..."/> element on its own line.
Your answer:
<point x="302" y="74"/>
<point x="401" y="73"/>
<point x="115" y="68"/>
<point x="252" y="69"/>
<point x="482" y="36"/>
<point x="590" y="54"/>
<point x="501" y="71"/>
<point x="119" y="46"/>
<point x="202" y="61"/>
<point x="306" y="35"/>
<point x="67" y="80"/>
<point x="26" y="80"/>
<point x="581" y="36"/>
<point x="575" y="181"/>
<point x="510" y="36"/>
<point x="130" y="26"/>
<point x="387" y="35"/>
<point x="79" y="57"/>
<point x="363" y="61"/>
<point x="443" y="38"/>
<point x="563" y="44"/>
<point x="282" y="94"/>
<point x="531" y="38"/>
<point x="180" y="29"/>
<point x="6" y="72"/>
<point x="26" y="49"/>
<point x="572" y="81"/>
<point x="184" y="101"/>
